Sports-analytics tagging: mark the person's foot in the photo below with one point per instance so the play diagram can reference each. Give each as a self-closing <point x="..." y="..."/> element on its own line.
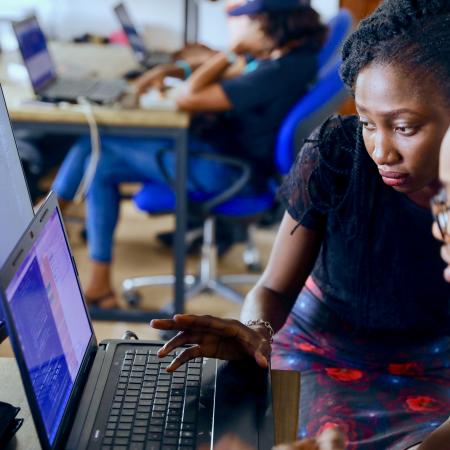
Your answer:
<point x="99" y="292"/>
<point x="106" y="300"/>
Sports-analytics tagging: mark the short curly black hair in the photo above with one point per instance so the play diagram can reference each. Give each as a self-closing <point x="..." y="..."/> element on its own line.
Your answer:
<point x="412" y="34"/>
<point x="302" y="23"/>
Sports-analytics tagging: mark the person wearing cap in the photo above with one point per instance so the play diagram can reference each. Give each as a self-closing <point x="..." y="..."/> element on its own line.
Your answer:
<point x="238" y="99"/>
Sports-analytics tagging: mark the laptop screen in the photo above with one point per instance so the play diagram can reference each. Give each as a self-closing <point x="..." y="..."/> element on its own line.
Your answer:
<point x="50" y="319"/>
<point x="135" y="40"/>
<point x="16" y="210"/>
<point x="37" y="59"/>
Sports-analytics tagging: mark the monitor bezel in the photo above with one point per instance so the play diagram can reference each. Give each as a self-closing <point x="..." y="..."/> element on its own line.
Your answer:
<point x="15" y="25"/>
<point x="3" y="329"/>
<point x="140" y="56"/>
<point x="6" y="274"/>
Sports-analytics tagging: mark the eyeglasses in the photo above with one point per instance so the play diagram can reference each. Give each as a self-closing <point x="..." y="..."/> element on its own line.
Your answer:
<point x="440" y="209"/>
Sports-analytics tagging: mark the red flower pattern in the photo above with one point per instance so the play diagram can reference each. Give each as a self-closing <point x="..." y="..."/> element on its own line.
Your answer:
<point x="342" y="374"/>
<point x="424" y="403"/>
<point x="408" y="368"/>
<point x="304" y="346"/>
<point x="328" y="426"/>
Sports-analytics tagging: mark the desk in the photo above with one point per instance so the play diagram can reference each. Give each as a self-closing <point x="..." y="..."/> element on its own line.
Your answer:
<point x="105" y="62"/>
<point x="285" y="386"/>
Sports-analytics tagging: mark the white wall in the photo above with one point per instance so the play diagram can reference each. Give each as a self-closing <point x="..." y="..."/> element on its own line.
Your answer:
<point x="326" y="8"/>
<point x="68" y="18"/>
<point x="161" y="20"/>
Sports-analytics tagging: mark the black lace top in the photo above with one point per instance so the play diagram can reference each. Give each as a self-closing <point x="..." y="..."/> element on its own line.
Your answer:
<point x="379" y="266"/>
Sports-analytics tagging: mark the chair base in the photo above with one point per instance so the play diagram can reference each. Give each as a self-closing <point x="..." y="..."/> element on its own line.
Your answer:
<point x="207" y="280"/>
<point x="194" y="286"/>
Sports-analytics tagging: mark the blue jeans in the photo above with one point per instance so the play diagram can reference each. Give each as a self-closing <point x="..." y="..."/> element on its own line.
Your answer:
<point x="125" y="159"/>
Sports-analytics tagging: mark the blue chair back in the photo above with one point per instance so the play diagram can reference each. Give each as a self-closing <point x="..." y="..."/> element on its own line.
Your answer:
<point x="338" y="29"/>
<point x="321" y="101"/>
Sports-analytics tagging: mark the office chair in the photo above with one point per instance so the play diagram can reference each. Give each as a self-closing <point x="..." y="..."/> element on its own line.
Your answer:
<point x="339" y="28"/>
<point x="155" y="198"/>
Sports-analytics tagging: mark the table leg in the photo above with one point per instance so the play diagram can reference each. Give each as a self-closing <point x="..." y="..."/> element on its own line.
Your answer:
<point x="180" y="218"/>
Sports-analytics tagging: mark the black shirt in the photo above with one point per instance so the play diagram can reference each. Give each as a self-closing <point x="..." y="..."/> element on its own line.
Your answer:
<point x="379" y="266"/>
<point x="261" y="100"/>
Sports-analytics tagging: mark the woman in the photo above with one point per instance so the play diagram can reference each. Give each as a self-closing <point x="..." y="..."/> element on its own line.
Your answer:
<point x="245" y="105"/>
<point x="370" y="328"/>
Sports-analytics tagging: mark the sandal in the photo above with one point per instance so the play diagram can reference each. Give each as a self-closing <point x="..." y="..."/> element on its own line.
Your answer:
<point x="96" y="302"/>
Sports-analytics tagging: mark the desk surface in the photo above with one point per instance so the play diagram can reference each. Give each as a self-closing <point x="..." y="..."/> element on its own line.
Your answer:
<point x="285" y="389"/>
<point x="77" y="61"/>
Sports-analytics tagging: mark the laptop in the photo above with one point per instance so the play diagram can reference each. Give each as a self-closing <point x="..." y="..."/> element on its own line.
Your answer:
<point x="16" y="209"/>
<point x="115" y="395"/>
<point x="46" y="83"/>
<point x="146" y="57"/>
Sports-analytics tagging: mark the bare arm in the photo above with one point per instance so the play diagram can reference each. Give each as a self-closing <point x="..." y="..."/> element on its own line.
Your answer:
<point x="211" y="99"/>
<point x="291" y="261"/>
<point x="439" y="439"/>
<point x="209" y="73"/>
<point x="154" y="78"/>
<point x="202" y="91"/>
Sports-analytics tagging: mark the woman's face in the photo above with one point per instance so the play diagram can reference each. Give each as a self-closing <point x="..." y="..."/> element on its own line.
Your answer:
<point x="404" y="123"/>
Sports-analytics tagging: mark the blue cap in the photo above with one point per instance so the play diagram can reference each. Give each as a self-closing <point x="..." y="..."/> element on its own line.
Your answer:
<point x="249" y="7"/>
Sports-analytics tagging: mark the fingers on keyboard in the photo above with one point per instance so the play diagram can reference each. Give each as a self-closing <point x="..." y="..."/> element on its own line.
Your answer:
<point x="185" y="356"/>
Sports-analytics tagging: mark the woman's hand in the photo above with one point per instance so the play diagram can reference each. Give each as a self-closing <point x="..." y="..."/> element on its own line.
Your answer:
<point x="214" y="338"/>
<point x="329" y="440"/>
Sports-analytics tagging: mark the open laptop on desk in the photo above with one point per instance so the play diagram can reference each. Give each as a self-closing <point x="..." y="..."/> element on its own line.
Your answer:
<point x="116" y="395"/>
<point x="46" y="83"/>
<point x="146" y="57"/>
<point x="16" y="210"/>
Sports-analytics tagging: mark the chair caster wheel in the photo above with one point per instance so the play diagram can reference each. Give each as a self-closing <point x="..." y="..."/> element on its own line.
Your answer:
<point x="133" y="298"/>
<point x="83" y="235"/>
<point x="254" y="268"/>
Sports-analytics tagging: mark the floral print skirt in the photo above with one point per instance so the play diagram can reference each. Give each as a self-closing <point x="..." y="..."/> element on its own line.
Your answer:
<point x="383" y="394"/>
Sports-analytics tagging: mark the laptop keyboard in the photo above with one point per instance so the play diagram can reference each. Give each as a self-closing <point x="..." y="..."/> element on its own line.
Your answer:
<point x="91" y="89"/>
<point x="67" y="88"/>
<point x="153" y="409"/>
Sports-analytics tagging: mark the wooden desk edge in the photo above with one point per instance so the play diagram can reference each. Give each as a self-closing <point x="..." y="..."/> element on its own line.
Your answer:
<point x="103" y="116"/>
<point x="286" y="402"/>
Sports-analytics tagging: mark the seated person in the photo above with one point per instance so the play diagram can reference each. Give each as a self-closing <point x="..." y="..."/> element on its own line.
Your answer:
<point x="354" y="285"/>
<point x="244" y="114"/>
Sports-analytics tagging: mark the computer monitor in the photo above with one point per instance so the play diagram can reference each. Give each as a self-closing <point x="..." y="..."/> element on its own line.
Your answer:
<point x="16" y="209"/>
<point x="134" y="38"/>
<point x="36" y="56"/>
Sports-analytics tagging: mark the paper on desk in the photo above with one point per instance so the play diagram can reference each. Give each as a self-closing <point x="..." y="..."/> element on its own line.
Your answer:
<point x="17" y="72"/>
<point x="155" y="99"/>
